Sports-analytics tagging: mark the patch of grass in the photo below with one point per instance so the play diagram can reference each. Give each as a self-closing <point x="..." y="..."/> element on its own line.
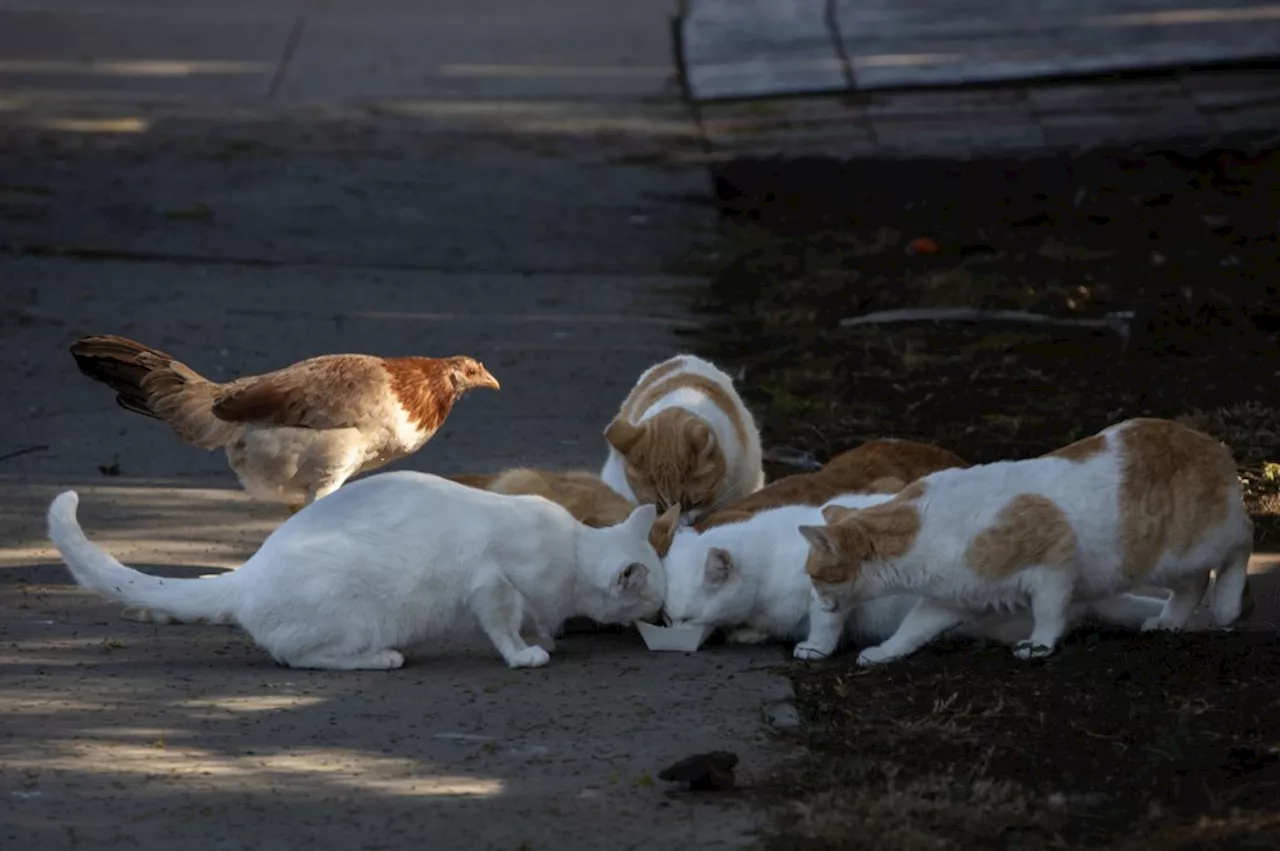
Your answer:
<point x="1109" y="741"/>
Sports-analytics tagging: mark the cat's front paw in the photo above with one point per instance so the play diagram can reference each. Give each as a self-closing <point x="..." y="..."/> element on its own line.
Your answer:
<point x="747" y="635"/>
<point x="874" y="656"/>
<point x="1030" y="650"/>
<point x="809" y="652"/>
<point x="1157" y="622"/>
<point x="530" y="657"/>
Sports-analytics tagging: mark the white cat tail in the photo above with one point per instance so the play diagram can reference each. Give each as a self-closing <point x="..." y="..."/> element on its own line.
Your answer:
<point x="94" y="568"/>
<point x="1231" y="597"/>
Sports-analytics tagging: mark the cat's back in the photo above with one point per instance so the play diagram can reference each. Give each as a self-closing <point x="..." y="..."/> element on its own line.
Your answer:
<point x="1134" y="490"/>
<point x="886" y="465"/>
<point x="583" y="494"/>
<point x="683" y="381"/>
<point x="407" y="505"/>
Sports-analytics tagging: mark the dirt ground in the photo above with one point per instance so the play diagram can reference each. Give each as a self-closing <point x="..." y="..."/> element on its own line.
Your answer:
<point x="1120" y="741"/>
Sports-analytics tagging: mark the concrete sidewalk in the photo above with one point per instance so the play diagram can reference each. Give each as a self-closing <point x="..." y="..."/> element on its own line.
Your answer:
<point x="246" y="184"/>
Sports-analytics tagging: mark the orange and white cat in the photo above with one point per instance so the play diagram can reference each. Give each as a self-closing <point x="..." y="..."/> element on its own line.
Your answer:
<point x="683" y="437"/>
<point x="886" y="465"/>
<point x="583" y="494"/>
<point x="1144" y="502"/>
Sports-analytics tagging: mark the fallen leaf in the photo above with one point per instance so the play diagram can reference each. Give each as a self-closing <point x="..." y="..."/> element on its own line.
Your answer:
<point x="195" y="213"/>
<point x="923" y="245"/>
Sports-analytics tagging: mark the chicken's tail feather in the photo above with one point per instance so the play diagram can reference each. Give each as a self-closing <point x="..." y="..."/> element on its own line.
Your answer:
<point x="154" y="383"/>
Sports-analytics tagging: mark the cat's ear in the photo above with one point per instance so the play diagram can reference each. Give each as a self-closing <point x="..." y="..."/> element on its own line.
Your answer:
<point x="641" y="520"/>
<point x="836" y="513"/>
<point x="632" y="578"/>
<point x="701" y="438"/>
<point x="719" y="567"/>
<point x="820" y="540"/>
<point x="622" y="435"/>
<point x="663" y="531"/>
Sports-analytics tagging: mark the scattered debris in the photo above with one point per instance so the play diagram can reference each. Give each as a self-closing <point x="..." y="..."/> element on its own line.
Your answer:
<point x="194" y="213"/>
<point x="703" y="772"/>
<point x="1118" y="321"/>
<point x="112" y="469"/>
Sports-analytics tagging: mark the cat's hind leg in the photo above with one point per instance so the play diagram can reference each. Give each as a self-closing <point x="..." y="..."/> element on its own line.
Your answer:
<point x="374" y="660"/>
<point x="1051" y="590"/>
<point x="499" y="608"/>
<point x="925" y="622"/>
<point x="1187" y="592"/>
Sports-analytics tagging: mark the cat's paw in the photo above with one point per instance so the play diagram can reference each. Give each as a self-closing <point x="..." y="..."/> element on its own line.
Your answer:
<point x="809" y="652"/>
<point x="530" y="657"/>
<point x="873" y="656"/>
<point x="747" y="635"/>
<point x="1157" y="622"/>
<point x="1030" y="650"/>
<point x="385" y="660"/>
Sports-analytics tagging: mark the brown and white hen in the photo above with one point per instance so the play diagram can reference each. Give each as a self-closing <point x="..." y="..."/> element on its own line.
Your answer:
<point x="295" y="434"/>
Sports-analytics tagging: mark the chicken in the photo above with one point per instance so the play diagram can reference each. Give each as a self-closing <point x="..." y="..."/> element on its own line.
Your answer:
<point x="296" y="434"/>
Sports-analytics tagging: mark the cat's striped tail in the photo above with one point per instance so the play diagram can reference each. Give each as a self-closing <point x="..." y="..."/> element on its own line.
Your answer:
<point x="210" y="599"/>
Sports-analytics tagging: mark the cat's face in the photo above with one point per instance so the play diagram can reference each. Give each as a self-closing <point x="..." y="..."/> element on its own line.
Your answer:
<point x="839" y="554"/>
<point x="630" y="578"/>
<point x="704" y="585"/>
<point x="672" y="459"/>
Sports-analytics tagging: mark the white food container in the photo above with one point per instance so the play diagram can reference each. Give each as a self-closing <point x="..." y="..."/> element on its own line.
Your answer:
<point x="681" y="638"/>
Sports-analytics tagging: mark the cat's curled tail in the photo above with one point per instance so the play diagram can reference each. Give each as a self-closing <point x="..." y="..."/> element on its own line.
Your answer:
<point x="211" y="599"/>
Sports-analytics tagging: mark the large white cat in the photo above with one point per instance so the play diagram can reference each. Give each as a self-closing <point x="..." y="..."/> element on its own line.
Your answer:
<point x="390" y="561"/>
<point x="749" y="577"/>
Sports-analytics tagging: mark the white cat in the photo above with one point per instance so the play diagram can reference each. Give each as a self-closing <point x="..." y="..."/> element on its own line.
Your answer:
<point x="1145" y="502"/>
<point x="392" y="560"/>
<point x="683" y="437"/>
<point x="749" y="577"/>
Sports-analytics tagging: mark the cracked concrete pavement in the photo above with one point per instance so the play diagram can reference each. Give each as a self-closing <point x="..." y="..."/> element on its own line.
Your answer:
<point x="246" y="184"/>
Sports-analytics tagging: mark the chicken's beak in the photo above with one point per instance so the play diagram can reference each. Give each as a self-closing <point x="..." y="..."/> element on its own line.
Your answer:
<point x="487" y="380"/>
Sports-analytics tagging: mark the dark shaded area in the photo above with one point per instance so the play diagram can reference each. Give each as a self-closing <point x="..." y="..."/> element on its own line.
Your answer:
<point x="1121" y="741"/>
<point x="1186" y="242"/>
<point x="1154" y="741"/>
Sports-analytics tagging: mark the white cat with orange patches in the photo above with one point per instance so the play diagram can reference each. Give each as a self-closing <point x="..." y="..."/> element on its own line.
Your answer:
<point x="683" y="437"/>
<point x="1144" y="502"/>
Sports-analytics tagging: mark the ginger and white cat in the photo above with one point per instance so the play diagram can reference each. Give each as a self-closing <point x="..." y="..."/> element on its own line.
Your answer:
<point x="358" y="578"/>
<point x="683" y="437"/>
<point x="583" y="494"/>
<point x="749" y="577"/>
<point x="1144" y="502"/>
<point x="886" y="465"/>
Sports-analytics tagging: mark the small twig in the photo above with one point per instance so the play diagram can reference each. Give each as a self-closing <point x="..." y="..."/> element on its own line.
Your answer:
<point x="1118" y="321"/>
<point x="20" y="452"/>
<point x="792" y="457"/>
